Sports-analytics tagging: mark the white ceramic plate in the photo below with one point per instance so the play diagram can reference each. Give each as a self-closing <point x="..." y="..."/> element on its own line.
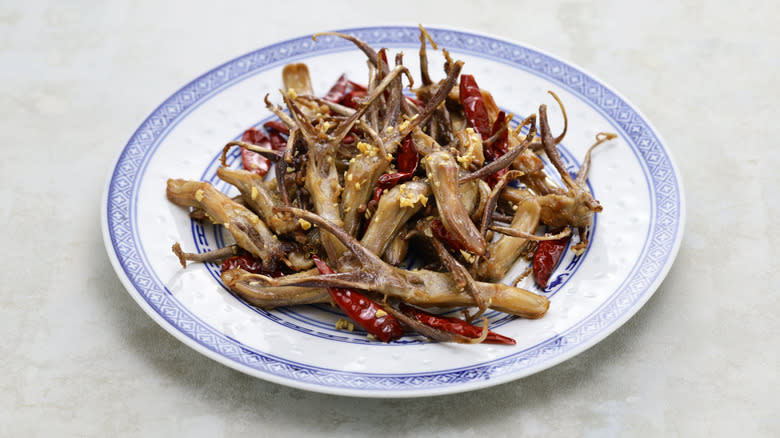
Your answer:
<point x="633" y="242"/>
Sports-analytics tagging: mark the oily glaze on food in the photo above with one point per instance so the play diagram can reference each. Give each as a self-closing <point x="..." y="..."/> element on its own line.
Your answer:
<point x="366" y="174"/>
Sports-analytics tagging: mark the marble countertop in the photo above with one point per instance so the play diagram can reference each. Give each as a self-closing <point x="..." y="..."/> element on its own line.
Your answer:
<point x="80" y="358"/>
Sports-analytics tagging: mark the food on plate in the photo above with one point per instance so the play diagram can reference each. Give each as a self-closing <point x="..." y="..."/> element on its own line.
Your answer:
<point x="368" y="174"/>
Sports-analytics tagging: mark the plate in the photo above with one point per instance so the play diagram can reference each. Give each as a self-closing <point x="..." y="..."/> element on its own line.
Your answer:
<point x="633" y="241"/>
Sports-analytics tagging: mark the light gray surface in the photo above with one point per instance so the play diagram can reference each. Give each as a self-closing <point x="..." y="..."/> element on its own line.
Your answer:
<point x="80" y="358"/>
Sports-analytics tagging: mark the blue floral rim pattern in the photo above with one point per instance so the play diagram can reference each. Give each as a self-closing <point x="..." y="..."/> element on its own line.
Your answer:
<point x="658" y="254"/>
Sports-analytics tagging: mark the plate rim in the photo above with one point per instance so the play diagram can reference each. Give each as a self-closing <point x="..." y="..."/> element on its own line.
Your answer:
<point x="469" y="385"/>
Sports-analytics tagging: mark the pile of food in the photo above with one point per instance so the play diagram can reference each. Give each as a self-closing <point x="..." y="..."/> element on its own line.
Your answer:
<point x="369" y="173"/>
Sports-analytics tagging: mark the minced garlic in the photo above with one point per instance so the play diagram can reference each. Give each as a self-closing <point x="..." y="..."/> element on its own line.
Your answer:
<point x="199" y="195"/>
<point x="467" y="256"/>
<point x="305" y="225"/>
<point x="254" y="193"/>
<point x="367" y="149"/>
<point x="380" y="313"/>
<point x="408" y="199"/>
<point x="343" y="324"/>
<point x="471" y="141"/>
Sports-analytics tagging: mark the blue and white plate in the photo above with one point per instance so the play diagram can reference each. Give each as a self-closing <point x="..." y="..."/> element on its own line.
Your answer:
<point x="633" y="242"/>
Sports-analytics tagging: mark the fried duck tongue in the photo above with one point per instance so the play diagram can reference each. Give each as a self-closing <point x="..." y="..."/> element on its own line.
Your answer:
<point x="396" y="251"/>
<point x="503" y="252"/>
<point x="576" y="206"/>
<point x="258" y="197"/>
<point x="442" y="170"/>
<point x="395" y="209"/>
<point x="214" y="255"/>
<point x="245" y="285"/>
<point x="425" y="36"/>
<point x="322" y="177"/>
<point x="296" y="77"/>
<point x="369" y="165"/>
<point x="366" y="271"/>
<point x="460" y="274"/>
<point x="373" y="160"/>
<point x="359" y="182"/>
<point x="421" y="288"/>
<point x="582" y="175"/>
<point x="247" y="229"/>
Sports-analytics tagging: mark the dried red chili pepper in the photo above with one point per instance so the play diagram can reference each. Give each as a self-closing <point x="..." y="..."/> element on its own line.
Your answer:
<point x="338" y="90"/>
<point x="407" y="161"/>
<point x="245" y="262"/>
<point x="416" y="101"/>
<point x="255" y="136"/>
<point x="362" y="310"/>
<point x="350" y="99"/>
<point x="350" y="138"/>
<point x="495" y="177"/>
<point x="357" y="87"/>
<point x="249" y="264"/>
<point x="383" y="55"/>
<point x="498" y="147"/>
<point x="390" y="180"/>
<point x="407" y="158"/>
<point x="454" y="325"/>
<point x="276" y="125"/>
<point x="278" y="143"/>
<point x="474" y="106"/>
<point x="377" y="194"/>
<point x="441" y="233"/>
<point x="546" y="258"/>
<point x="253" y="161"/>
<point x="341" y="88"/>
<point x="275" y="129"/>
